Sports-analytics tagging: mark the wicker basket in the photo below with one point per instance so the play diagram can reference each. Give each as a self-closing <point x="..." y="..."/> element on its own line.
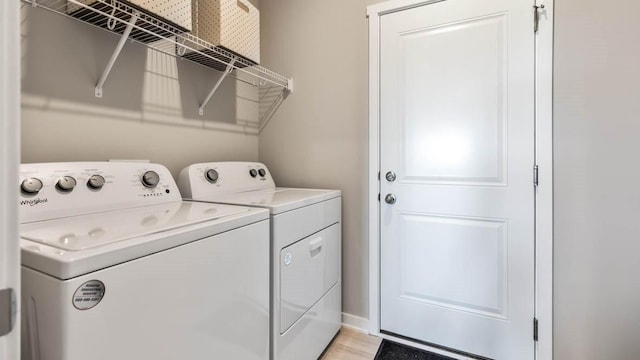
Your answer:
<point x="175" y="13"/>
<point x="233" y="25"/>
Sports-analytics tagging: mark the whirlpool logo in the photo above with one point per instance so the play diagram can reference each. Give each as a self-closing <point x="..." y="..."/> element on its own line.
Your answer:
<point x="33" y="202"/>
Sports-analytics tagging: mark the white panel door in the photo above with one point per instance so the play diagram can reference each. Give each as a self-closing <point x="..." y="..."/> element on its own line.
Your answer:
<point x="457" y="129"/>
<point x="9" y="155"/>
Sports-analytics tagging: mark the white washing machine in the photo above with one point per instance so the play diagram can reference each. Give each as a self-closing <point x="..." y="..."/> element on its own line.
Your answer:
<point x="306" y="286"/>
<point x="116" y="266"/>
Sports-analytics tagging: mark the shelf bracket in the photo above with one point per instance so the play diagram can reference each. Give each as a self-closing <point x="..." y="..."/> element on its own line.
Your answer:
<point x="217" y="85"/>
<point x="290" y="85"/>
<point x="116" y="53"/>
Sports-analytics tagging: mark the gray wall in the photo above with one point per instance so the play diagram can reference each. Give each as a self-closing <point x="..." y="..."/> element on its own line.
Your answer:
<point x="318" y="137"/>
<point x="150" y="104"/>
<point x="596" y="192"/>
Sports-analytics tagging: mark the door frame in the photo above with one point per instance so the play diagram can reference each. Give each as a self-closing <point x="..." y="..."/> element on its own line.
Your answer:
<point x="10" y="56"/>
<point x="543" y="155"/>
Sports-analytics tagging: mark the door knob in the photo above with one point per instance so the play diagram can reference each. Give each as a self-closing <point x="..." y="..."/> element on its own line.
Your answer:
<point x="391" y="176"/>
<point x="390" y="199"/>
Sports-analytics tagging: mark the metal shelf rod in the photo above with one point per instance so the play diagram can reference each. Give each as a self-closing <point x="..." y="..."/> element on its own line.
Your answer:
<point x="116" y="52"/>
<point x="160" y="36"/>
<point x="217" y="85"/>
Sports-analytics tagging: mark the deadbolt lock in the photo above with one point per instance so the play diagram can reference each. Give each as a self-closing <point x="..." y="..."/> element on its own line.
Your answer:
<point x="390" y="176"/>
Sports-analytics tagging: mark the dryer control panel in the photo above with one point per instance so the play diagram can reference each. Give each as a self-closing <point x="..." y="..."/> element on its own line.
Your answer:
<point x="219" y="178"/>
<point x="56" y="190"/>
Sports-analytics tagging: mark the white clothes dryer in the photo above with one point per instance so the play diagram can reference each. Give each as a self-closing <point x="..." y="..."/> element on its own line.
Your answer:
<point x="306" y="286"/>
<point x="116" y="266"/>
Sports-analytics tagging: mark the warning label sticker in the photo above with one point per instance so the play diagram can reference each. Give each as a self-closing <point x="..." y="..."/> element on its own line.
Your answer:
<point x="88" y="295"/>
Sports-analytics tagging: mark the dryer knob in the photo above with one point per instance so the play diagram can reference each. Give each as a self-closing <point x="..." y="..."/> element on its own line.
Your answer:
<point x="150" y="179"/>
<point x="95" y="182"/>
<point x="66" y="184"/>
<point x="31" y="186"/>
<point x="211" y="175"/>
<point x="253" y="173"/>
<point x="262" y="172"/>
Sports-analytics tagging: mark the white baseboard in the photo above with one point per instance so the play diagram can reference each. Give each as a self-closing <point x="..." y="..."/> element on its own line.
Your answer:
<point x="355" y="322"/>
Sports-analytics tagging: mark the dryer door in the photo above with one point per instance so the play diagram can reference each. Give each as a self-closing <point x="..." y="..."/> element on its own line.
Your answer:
<point x="308" y="269"/>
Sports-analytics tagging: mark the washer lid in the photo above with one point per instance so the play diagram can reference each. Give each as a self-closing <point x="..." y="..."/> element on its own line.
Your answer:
<point x="276" y="200"/>
<point x="89" y="231"/>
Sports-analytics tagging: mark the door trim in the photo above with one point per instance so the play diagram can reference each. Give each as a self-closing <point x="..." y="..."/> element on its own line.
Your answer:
<point x="543" y="154"/>
<point x="9" y="167"/>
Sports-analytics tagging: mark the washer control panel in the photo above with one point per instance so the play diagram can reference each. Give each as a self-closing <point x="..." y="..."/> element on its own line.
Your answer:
<point x="55" y="190"/>
<point x="218" y="178"/>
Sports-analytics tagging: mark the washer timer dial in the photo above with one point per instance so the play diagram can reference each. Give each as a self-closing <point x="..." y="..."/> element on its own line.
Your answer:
<point x="66" y="184"/>
<point x="31" y="186"/>
<point x="95" y="182"/>
<point x="150" y="179"/>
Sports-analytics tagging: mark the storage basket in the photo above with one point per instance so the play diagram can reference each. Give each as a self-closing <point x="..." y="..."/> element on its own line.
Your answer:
<point x="174" y="16"/>
<point x="233" y="25"/>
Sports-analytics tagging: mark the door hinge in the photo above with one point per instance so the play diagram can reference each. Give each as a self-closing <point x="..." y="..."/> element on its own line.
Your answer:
<point x="7" y="311"/>
<point x="378" y="197"/>
<point x="536" y="16"/>
<point x="535" y="329"/>
<point x="535" y="175"/>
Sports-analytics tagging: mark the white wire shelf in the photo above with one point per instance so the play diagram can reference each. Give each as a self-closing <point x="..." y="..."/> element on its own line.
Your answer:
<point x="133" y="24"/>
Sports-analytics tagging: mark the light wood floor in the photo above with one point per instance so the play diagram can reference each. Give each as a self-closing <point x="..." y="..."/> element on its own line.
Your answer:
<point x="351" y="344"/>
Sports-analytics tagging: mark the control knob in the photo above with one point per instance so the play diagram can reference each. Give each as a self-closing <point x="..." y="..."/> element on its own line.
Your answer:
<point x="211" y="175"/>
<point x="31" y="186"/>
<point x="66" y="184"/>
<point x="253" y="173"/>
<point x="262" y="172"/>
<point x="150" y="179"/>
<point x="95" y="182"/>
